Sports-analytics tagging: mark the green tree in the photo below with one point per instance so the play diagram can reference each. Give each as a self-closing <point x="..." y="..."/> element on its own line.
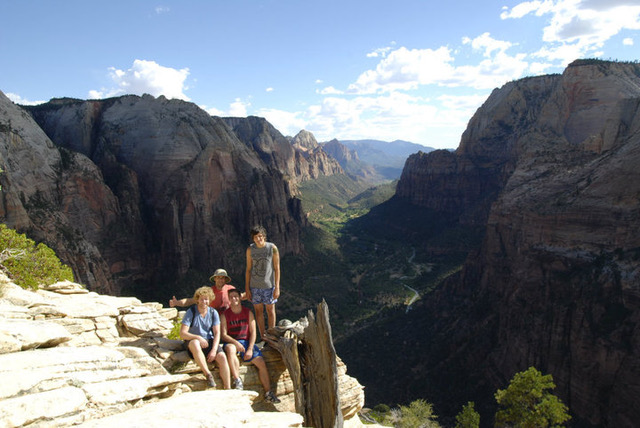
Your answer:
<point x="419" y="414"/>
<point x="468" y="417"/>
<point x="527" y="402"/>
<point x="27" y="264"/>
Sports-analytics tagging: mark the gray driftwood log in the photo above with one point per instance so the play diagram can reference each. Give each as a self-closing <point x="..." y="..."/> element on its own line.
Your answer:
<point x="308" y="353"/>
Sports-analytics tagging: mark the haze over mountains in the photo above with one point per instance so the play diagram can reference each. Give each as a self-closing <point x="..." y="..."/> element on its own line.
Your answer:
<point x="523" y="243"/>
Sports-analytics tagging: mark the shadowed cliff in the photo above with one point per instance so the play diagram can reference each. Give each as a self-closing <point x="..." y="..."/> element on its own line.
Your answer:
<point x="136" y="193"/>
<point x="548" y="169"/>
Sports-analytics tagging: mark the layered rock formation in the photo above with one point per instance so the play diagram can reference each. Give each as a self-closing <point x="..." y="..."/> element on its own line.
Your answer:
<point x="138" y="191"/>
<point x="548" y="166"/>
<point x="297" y="161"/>
<point x="350" y="162"/>
<point x="73" y="357"/>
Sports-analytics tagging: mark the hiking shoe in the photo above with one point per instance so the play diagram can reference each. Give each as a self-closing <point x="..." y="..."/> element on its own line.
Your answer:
<point x="210" y="381"/>
<point x="237" y="384"/>
<point x="271" y="397"/>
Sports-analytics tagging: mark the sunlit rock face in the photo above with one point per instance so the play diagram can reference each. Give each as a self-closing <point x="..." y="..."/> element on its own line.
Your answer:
<point x="550" y="166"/>
<point x="136" y="191"/>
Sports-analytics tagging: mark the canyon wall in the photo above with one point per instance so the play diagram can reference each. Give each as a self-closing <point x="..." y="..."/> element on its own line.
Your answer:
<point x="548" y="166"/>
<point x="136" y="192"/>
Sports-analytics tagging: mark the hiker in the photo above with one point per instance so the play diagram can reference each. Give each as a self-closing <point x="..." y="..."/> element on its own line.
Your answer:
<point x="201" y="332"/>
<point x="238" y="329"/>
<point x="220" y="289"/>
<point x="262" y="277"/>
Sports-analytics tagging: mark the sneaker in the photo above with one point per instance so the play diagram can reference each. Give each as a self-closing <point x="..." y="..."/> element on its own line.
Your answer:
<point x="271" y="397"/>
<point x="237" y="384"/>
<point x="210" y="381"/>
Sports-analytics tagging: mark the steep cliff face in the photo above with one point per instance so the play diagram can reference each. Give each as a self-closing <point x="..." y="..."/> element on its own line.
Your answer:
<point x="299" y="160"/>
<point x="155" y="188"/>
<point x="549" y="165"/>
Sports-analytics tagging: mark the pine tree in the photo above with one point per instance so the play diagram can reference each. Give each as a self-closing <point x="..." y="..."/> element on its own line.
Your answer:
<point x="527" y="402"/>
<point x="468" y="417"/>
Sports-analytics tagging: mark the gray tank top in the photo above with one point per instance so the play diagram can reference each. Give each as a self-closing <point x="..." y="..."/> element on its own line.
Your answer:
<point x="262" y="275"/>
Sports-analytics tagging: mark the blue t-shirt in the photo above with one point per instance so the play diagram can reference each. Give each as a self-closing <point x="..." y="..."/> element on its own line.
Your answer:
<point x="199" y="325"/>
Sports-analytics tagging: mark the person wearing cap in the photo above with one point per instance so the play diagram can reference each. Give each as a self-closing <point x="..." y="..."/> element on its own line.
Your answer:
<point x="220" y="289"/>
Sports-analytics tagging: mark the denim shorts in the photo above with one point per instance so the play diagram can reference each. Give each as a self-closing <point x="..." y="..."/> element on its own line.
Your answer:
<point x="262" y="296"/>
<point x="245" y="342"/>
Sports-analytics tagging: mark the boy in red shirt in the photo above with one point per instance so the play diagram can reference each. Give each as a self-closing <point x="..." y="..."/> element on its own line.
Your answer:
<point x="238" y="333"/>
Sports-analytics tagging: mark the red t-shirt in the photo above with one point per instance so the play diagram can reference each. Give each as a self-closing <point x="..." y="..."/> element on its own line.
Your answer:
<point x="221" y="302"/>
<point x="238" y="324"/>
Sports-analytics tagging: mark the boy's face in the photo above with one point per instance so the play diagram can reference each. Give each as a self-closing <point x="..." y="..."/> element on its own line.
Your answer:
<point x="259" y="239"/>
<point x="220" y="280"/>
<point x="203" y="300"/>
<point x="234" y="299"/>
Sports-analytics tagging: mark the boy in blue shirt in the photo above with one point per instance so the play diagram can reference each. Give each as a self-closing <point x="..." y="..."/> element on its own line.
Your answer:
<point x="201" y="332"/>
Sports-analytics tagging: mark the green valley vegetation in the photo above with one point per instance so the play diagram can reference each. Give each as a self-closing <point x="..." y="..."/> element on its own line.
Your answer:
<point x="526" y="403"/>
<point x="27" y="264"/>
<point x="358" y="262"/>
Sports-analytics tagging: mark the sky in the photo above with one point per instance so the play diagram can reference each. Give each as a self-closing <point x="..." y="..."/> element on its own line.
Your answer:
<point x="413" y="70"/>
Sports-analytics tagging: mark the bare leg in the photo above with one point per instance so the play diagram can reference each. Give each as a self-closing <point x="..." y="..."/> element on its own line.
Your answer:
<point x="198" y="356"/>
<point x="223" y="367"/>
<point x="234" y="364"/>
<point x="259" y="308"/>
<point x="263" y="373"/>
<point x="271" y="315"/>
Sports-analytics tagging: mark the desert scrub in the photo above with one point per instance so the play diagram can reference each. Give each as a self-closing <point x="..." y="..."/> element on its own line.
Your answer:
<point x="27" y="264"/>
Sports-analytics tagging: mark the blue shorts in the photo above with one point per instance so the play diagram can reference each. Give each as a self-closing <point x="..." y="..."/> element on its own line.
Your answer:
<point x="262" y="296"/>
<point x="245" y="342"/>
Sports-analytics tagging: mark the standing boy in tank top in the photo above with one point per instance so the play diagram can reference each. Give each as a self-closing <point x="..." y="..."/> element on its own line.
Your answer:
<point x="262" y="277"/>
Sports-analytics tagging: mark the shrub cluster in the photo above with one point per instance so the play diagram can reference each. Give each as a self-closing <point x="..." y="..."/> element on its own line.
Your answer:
<point x="27" y="264"/>
<point x="526" y="403"/>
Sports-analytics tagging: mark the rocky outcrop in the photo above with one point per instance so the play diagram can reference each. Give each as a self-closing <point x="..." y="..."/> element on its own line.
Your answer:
<point x="299" y="160"/>
<point x="349" y="161"/>
<point x="139" y="191"/>
<point x="548" y="167"/>
<point x="304" y="141"/>
<point x="73" y="357"/>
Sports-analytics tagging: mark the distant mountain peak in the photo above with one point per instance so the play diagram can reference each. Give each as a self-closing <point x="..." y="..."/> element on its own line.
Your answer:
<point x="304" y="140"/>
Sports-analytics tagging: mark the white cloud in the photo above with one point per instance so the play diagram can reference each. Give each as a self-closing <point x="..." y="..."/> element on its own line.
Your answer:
<point x="238" y="108"/>
<point x="579" y="28"/>
<point x="269" y="89"/>
<point x="329" y="90"/>
<point x="405" y="69"/>
<point x="438" y="123"/>
<point x="408" y="69"/>
<point x="162" y="9"/>
<point x="145" y="77"/>
<point x="286" y="122"/>
<point x="628" y="41"/>
<point x="17" y="99"/>
<point x="522" y="9"/>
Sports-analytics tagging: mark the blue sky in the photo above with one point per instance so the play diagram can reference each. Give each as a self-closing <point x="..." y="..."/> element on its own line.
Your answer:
<point x="413" y="70"/>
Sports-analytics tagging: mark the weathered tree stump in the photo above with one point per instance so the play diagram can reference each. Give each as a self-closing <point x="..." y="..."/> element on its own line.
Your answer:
<point x="308" y="353"/>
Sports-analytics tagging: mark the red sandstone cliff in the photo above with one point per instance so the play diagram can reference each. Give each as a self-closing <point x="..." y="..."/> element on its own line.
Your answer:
<point x="548" y="166"/>
<point x="138" y="191"/>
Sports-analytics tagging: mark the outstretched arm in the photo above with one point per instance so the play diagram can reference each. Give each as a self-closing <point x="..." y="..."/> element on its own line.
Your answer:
<point x="181" y="302"/>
